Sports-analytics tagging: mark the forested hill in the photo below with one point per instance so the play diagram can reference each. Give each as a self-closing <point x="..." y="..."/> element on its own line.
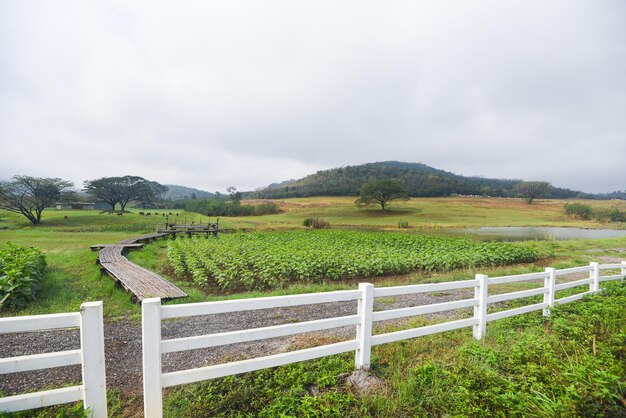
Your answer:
<point x="175" y="192"/>
<point x="420" y="181"/>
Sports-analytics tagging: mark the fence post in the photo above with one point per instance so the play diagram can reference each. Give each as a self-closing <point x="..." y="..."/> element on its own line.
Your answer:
<point x="93" y="363"/>
<point x="594" y="275"/>
<point x="364" y="329"/>
<point x="151" y="342"/>
<point x="548" y="284"/>
<point x="480" y="312"/>
<point x="623" y="270"/>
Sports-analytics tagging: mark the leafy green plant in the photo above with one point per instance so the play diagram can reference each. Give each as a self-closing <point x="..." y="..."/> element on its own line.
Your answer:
<point x="271" y="259"/>
<point x="21" y="271"/>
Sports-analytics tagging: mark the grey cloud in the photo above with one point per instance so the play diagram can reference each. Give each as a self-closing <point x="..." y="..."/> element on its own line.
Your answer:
<point x="213" y="94"/>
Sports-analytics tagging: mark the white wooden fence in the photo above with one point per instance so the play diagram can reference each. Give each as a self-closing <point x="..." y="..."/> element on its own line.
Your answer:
<point x="153" y="313"/>
<point x="91" y="356"/>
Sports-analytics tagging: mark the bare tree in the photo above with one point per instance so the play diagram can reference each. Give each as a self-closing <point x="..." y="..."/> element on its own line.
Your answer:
<point x="530" y="190"/>
<point x="29" y="196"/>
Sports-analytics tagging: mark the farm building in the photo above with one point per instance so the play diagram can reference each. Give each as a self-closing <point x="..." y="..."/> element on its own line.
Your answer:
<point x="75" y="205"/>
<point x="99" y="205"/>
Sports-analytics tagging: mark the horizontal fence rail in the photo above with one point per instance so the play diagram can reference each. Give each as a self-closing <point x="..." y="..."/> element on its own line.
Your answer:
<point x="90" y="356"/>
<point x="363" y="319"/>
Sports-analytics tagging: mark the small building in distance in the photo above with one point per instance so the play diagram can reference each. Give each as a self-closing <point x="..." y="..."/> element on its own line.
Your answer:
<point x="102" y="205"/>
<point x="99" y="205"/>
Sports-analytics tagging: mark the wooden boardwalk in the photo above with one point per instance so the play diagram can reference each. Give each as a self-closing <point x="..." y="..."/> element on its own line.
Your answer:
<point x="141" y="283"/>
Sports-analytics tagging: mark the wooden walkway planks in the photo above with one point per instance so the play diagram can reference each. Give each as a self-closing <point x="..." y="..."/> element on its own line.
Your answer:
<point x="141" y="283"/>
<point x="144" y="238"/>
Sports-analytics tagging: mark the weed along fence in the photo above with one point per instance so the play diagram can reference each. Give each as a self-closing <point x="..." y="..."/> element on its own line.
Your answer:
<point x="363" y="319"/>
<point x="90" y="356"/>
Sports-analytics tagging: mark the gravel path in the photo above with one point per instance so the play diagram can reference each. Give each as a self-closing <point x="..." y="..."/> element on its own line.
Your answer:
<point x="123" y="341"/>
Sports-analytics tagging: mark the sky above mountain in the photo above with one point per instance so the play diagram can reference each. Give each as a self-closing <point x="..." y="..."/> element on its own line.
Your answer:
<point x="245" y="93"/>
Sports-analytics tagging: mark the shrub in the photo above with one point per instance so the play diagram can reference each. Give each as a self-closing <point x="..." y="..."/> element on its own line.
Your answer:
<point x="403" y="224"/>
<point x="578" y="210"/>
<point x="316" y="223"/>
<point x="319" y="223"/>
<point x="21" y="271"/>
<point x="221" y="207"/>
<point x="609" y="215"/>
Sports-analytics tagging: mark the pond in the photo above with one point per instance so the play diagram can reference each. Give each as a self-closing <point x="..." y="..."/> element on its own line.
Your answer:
<point x="524" y="233"/>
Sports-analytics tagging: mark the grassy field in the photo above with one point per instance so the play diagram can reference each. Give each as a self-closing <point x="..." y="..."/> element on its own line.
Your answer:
<point x="74" y="277"/>
<point x="428" y="213"/>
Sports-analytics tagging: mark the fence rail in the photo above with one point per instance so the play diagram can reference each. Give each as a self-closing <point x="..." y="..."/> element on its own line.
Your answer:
<point x="90" y="356"/>
<point x="153" y="313"/>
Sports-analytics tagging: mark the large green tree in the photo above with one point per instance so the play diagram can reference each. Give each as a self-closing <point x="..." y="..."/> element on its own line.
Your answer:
<point x="29" y="196"/>
<point x="530" y="190"/>
<point x="382" y="193"/>
<point x="122" y="190"/>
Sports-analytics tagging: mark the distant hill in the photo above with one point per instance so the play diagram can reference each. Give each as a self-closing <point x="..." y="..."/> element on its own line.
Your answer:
<point x="419" y="179"/>
<point x="175" y="192"/>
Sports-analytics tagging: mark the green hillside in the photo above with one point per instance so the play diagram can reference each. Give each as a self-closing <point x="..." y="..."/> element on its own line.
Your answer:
<point x="419" y="179"/>
<point x="175" y="192"/>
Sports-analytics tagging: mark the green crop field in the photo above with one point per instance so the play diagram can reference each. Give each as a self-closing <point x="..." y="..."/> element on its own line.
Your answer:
<point x="270" y="259"/>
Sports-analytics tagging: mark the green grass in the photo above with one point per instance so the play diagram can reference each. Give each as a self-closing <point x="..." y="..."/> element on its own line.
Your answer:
<point x="571" y="364"/>
<point x="430" y="213"/>
<point x="73" y="276"/>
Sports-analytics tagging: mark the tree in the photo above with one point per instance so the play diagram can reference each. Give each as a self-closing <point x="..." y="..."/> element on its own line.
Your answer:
<point x="382" y="193"/>
<point x="29" y="196"/>
<point x="235" y="196"/>
<point x="122" y="190"/>
<point x="530" y="190"/>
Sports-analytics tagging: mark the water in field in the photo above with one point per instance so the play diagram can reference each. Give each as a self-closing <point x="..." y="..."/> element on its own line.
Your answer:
<point x="523" y="233"/>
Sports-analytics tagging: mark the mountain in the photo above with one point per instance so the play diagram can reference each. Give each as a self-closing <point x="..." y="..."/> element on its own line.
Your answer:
<point x="419" y="179"/>
<point x="175" y="192"/>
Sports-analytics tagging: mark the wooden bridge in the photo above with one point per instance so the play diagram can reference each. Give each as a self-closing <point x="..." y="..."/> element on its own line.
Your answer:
<point x="138" y="281"/>
<point x="190" y="229"/>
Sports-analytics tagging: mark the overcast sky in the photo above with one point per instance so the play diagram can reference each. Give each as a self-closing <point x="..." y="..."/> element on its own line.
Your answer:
<point x="211" y="94"/>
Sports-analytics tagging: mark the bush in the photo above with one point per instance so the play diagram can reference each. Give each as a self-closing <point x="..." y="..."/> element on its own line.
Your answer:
<point x="21" y="271"/>
<point x="221" y="207"/>
<point x="578" y="210"/>
<point x="316" y="223"/>
<point x="609" y="215"/>
<point x="319" y="223"/>
<point x="403" y="224"/>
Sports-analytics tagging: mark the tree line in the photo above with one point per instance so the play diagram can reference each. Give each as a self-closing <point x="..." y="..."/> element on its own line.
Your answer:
<point x="225" y="205"/>
<point x="29" y="196"/>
